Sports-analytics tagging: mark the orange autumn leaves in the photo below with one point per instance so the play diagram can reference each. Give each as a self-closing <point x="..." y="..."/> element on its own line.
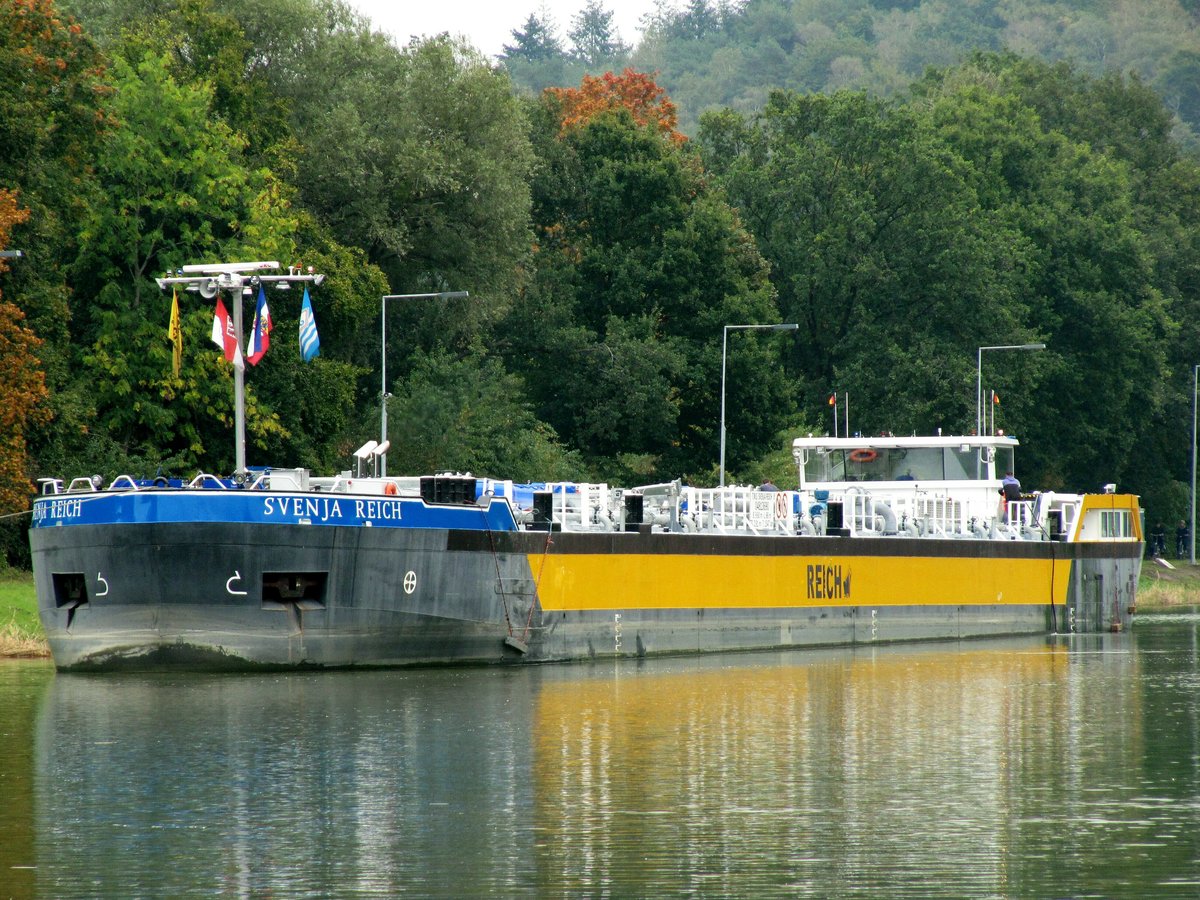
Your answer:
<point x="22" y="384"/>
<point x="634" y="91"/>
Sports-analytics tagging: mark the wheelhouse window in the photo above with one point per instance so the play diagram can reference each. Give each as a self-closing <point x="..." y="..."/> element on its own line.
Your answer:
<point x="1116" y="523"/>
<point x="902" y="464"/>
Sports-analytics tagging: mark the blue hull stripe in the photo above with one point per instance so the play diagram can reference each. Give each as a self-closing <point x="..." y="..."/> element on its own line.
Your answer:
<point x="274" y="508"/>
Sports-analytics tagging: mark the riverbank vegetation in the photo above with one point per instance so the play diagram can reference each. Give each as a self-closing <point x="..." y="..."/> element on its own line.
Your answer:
<point x="992" y="199"/>
<point x="1163" y="588"/>
<point x="21" y="633"/>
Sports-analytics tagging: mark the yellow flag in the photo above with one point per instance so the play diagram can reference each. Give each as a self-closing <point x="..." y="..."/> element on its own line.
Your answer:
<point x="176" y="333"/>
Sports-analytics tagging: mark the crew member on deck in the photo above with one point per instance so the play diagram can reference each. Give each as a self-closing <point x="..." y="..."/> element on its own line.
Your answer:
<point x="1010" y="487"/>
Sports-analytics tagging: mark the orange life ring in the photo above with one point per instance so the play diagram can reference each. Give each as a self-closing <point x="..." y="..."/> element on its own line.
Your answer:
<point x="390" y="489"/>
<point x="864" y="455"/>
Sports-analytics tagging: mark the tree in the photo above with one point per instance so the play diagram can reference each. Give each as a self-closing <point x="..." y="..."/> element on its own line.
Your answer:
<point x="468" y="415"/>
<point x="538" y="43"/>
<point x="638" y="266"/>
<point x="420" y="156"/>
<point x="633" y="91"/>
<point x="209" y="45"/>
<point x="877" y="249"/>
<point x="22" y="384"/>
<point x="52" y="115"/>
<point x="594" y="40"/>
<point x="177" y="192"/>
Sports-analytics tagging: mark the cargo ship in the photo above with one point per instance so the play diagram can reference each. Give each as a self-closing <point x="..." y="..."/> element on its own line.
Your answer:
<point x="883" y="539"/>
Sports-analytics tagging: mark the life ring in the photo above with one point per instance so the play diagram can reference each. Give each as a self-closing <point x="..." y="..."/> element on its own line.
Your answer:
<point x="390" y="489"/>
<point x="864" y="455"/>
<point x="160" y="482"/>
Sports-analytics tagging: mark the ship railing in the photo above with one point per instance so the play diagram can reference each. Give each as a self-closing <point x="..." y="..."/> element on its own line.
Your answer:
<point x="124" y="481"/>
<point x="917" y="514"/>
<point x="1019" y="515"/>
<point x="1070" y="514"/>
<point x="1059" y="512"/>
<point x="84" y="484"/>
<point x="859" y="513"/>
<point x="581" y="506"/>
<point x="337" y="484"/>
<point x="738" y="510"/>
<point x="940" y="515"/>
<point x="50" y="486"/>
<point x="203" y="478"/>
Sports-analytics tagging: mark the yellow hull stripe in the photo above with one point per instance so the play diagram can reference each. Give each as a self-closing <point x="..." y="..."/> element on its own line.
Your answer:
<point x="627" y="581"/>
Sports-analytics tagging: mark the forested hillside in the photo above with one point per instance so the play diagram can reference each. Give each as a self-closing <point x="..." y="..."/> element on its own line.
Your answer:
<point x="719" y="53"/>
<point x="997" y="200"/>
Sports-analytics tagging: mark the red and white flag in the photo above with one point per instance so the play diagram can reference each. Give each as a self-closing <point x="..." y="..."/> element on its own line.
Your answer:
<point x="260" y="334"/>
<point x="225" y="337"/>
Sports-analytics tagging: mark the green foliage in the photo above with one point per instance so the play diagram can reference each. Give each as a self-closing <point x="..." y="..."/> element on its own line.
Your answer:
<point x="1064" y="169"/>
<point x="639" y="267"/>
<point x="1009" y="202"/>
<point x="777" y="465"/>
<point x="536" y="44"/>
<point x="714" y="54"/>
<point x="1000" y="200"/>
<point x="177" y="192"/>
<point x="878" y="249"/>
<point x="466" y="415"/>
<point x="53" y="113"/>
<point x="18" y="604"/>
<point x="594" y="39"/>
<point x="421" y="158"/>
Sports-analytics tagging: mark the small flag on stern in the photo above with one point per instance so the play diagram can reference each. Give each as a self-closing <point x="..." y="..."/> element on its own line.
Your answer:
<point x="225" y="337"/>
<point x="310" y="343"/>
<point x="260" y="334"/>
<point x="833" y="399"/>
<point x="995" y="398"/>
<point x="176" y="334"/>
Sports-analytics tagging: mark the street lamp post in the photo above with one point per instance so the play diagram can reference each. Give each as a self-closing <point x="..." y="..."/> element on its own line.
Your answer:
<point x="979" y="377"/>
<point x="786" y="326"/>
<point x="383" y="391"/>
<point x="1192" y="523"/>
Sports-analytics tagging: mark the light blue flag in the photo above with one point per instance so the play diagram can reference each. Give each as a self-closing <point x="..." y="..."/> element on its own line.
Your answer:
<point x="310" y="344"/>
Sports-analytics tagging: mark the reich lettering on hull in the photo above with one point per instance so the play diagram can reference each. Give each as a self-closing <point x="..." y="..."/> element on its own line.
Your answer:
<point x="828" y="582"/>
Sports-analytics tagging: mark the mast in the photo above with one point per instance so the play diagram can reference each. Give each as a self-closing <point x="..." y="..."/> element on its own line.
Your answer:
<point x="209" y="279"/>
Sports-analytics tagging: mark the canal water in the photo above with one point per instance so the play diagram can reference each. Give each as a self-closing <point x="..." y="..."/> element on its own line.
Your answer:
<point x="1047" y="767"/>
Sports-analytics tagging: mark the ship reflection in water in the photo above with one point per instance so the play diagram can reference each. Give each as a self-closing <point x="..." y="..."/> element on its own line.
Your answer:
<point x="998" y="768"/>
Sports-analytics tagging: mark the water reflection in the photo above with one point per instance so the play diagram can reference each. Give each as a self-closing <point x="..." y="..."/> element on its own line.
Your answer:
<point x="1011" y="768"/>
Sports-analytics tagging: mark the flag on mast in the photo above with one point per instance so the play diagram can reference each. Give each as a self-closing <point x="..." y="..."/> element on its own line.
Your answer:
<point x="224" y="336"/>
<point x="310" y="343"/>
<point x="176" y="333"/>
<point x="260" y="334"/>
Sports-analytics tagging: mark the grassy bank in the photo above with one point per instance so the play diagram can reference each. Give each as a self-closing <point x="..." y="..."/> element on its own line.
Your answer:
<point x="20" y="631"/>
<point x="1163" y="588"/>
